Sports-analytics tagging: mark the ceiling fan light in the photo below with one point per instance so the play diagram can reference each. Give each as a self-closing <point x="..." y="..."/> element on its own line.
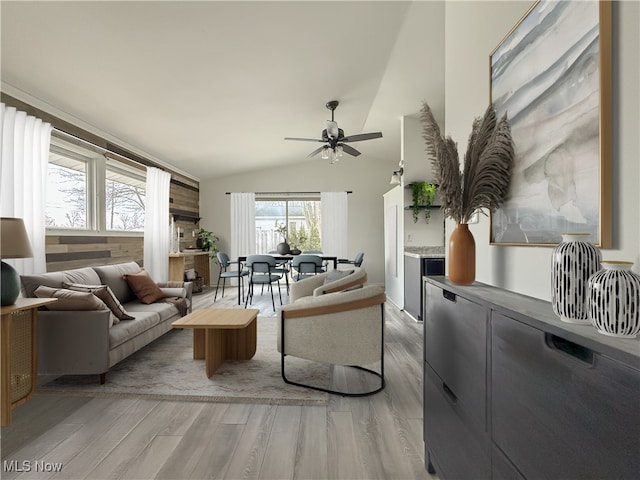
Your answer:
<point x="326" y="153"/>
<point x="339" y="151"/>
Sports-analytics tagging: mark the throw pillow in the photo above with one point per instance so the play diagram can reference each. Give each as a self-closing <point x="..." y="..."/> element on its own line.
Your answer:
<point x="144" y="287"/>
<point x="72" y="300"/>
<point x="334" y="275"/>
<point x="104" y="293"/>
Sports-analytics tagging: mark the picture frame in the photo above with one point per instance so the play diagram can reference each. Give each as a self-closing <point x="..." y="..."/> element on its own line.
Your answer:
<point x="551" y="75"/>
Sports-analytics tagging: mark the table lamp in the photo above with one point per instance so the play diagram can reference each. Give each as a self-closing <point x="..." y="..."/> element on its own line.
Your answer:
<point x="14" y="243"/>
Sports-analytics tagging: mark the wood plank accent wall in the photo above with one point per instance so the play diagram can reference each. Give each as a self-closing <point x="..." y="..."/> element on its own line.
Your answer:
<point x="65" y="252"/>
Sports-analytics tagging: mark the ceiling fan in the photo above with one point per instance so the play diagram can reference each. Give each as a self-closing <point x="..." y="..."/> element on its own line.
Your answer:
<point x="334" y="139"/>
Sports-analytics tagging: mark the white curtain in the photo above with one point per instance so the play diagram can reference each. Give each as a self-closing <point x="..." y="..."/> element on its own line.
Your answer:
<point x="243" y="224"/>
<point x="334" y="214"/>
<point x="156" y="224"/>
<point x="24" y="150"/>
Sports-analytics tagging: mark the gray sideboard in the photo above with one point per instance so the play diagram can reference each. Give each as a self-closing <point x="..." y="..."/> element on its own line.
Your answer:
<point x="511" y="392"/>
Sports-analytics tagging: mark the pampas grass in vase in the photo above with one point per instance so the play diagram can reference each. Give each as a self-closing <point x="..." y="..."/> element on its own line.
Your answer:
<point x="481" y="185"/>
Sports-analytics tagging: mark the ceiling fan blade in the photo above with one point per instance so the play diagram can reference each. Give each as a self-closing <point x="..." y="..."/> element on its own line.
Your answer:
<point x="362" y="136"/>
<point x="305" y="139"/>
<point x="349" y="149"/>
<point x="317" y="151"/>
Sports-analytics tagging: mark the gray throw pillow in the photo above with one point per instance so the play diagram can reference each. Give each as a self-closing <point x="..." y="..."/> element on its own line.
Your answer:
<point x="334" y="275"/>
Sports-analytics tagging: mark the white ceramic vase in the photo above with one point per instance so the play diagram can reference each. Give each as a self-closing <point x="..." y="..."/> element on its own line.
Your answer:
<point x="573" y="261"/>
<point x="614" y="300"/>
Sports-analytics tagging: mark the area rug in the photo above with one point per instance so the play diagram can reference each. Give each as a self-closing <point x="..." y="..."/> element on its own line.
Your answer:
<point x="165" y="369"/>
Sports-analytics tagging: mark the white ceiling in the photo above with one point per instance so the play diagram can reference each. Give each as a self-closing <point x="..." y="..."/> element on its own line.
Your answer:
<point x="211" y="87"/>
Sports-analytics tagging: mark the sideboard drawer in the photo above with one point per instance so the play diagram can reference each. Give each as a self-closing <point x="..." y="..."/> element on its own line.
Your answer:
<point x="457" y="450"/>
<point x="560" y="410"/>
<point x="502" y="468"/>
<point x="455" y="338"/>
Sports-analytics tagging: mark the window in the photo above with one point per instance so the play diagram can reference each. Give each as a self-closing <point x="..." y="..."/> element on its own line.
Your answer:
<point x="297" y="218"/>
<point x="66" y="202"/>
<point x="124" y="199"/>
<point x="87" y="192"/>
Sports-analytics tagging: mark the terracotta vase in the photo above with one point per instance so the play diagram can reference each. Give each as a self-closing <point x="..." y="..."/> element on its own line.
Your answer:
<point x="462" y="256"/>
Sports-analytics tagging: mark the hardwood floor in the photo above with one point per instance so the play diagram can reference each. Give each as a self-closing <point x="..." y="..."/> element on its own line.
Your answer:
<point x="376" y="437"/>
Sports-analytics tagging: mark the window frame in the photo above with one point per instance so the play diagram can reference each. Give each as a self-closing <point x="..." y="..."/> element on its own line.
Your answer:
<point x="286" y="198"/>
<point x="97" y="162"/>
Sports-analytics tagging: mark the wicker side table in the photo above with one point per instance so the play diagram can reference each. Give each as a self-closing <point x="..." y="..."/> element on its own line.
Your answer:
<point x="19" y="353"/>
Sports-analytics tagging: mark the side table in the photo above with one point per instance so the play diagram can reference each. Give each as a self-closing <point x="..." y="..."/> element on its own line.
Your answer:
<point x="19" y="353"/>
<point x="200" y="264"/>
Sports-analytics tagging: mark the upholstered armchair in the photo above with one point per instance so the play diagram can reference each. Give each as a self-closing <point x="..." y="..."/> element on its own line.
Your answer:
<point x="328" y="282"/>
<point x="339" y="328"/>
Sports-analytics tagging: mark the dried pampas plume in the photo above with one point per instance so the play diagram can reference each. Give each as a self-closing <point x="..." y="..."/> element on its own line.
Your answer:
<point x="488" y="163"/>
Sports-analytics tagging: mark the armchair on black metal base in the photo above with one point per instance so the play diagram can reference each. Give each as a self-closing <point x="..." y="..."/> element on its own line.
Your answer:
<point x="341" y="328"/>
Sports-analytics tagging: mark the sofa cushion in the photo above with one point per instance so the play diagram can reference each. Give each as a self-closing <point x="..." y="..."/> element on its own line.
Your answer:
<point x="144" y="287"/>
<point x="70" y="300"/>
<point x="334" y="275"/>
<point x="104" y="293"/>
<point x="164" y="310"/>
<point x="112" y="276"/>
<point x="29" y="283"/>
<point x="125" y="331"/>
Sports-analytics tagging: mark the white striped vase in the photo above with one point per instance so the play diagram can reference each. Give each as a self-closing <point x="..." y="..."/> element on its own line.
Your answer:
<point x="573" y="261"/>
<point x="614" y="300"/>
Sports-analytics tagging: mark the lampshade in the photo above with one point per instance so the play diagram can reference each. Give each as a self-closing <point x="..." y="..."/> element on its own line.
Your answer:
<point x="14" y="241"/>
<point x="396" y="178"/>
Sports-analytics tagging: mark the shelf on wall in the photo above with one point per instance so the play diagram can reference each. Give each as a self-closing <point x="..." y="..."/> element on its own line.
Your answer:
<point x="184" y="216"/>
<point x="410" y="207"/>
<point x="408" y="185"/>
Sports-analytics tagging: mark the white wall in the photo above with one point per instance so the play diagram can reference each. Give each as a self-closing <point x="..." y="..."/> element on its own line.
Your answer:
<point x="418" y="169"/>
<point x="473" y="29"/>
<point x="366" y="176"/>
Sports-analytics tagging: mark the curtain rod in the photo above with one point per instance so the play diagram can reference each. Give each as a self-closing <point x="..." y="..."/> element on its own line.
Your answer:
<point x="286" y="193"/>
<point x="104" y="151"/>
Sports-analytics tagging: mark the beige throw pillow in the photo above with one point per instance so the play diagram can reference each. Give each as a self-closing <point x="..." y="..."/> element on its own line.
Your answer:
<point x="72" y="301"/>
<point x="144" y="287"/>
<point x="104" y="293"/>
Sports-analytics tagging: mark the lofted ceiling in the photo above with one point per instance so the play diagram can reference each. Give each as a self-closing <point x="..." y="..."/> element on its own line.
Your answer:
<point x="211" y="87"/>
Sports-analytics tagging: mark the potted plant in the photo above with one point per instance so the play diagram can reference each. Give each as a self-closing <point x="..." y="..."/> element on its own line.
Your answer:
<point x="208" y="242"/>
<point x="482" y="184"/>
<point x="422" y="195"/>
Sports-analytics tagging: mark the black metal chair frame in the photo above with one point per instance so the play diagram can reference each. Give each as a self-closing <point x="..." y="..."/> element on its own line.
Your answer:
<point x="355" y="262"/>
<point x="239" y="274"/>
<point x="270" y="269"/>
<point x="380" y="374"/>
<point x="300" y="267"/>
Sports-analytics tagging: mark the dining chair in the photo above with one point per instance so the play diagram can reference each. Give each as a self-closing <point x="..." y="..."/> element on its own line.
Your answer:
<point x="305" y="266"/>
<point x="325" y="263"/>
<point x="262" y="272"/>
<point x="356" y="262"/>
<point x="224" y="273"/>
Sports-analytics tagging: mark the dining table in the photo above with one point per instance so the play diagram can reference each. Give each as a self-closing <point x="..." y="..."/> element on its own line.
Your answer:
<point x="281" y="258"/>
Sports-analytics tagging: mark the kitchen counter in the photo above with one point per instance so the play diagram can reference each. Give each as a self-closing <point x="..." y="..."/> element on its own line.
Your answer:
<point x="424" y="252"/>
<point x="418" y="262"/>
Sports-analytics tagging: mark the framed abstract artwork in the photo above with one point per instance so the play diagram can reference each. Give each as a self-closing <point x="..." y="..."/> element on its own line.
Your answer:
<point x="551" y="75"/>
